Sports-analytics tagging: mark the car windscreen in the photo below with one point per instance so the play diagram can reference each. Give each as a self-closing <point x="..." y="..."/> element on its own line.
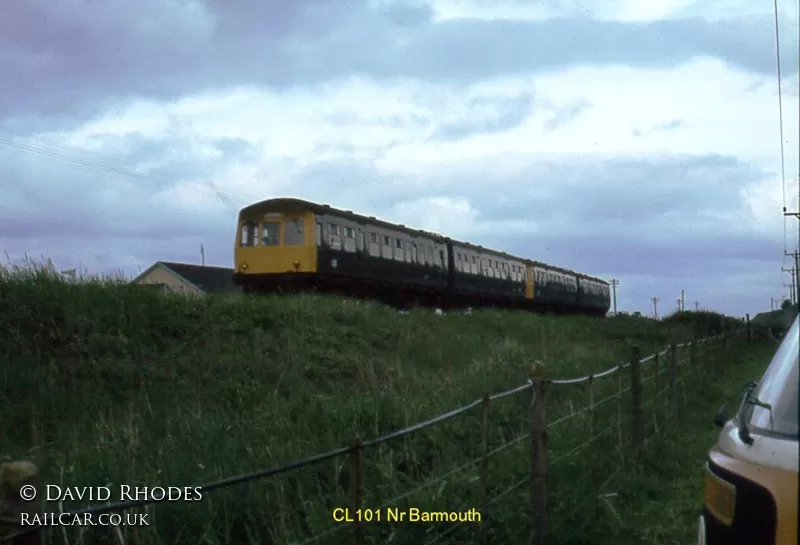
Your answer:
<point x="778" y="389"/>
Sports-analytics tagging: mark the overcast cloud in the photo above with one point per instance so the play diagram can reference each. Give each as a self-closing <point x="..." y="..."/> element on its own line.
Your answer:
<point x="626" y="139"/>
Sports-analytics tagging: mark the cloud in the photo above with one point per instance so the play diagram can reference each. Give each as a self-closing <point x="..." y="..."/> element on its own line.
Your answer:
<point x="627" y="140"/>
<point x="89" y="56"/>
<point x="485" y="116"/>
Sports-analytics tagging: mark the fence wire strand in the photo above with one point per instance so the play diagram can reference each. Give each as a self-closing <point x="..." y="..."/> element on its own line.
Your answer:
<point x="688" y="365"/>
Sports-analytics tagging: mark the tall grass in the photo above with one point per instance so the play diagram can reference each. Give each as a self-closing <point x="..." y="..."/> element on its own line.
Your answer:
<point x="104" y="382"/>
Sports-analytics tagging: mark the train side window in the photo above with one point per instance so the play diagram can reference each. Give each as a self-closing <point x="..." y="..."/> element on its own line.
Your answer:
<point x="374" y="245"/>
<point x="349" y="239"/>
<point x="319" y="234"/>
<point x="386" y="249"/>
<point x="270" y="233"/>
<point x="361" y="241"/>
<point x="334" y="240"/>
<point x="414" y="254"/>
<point x="398" y="249"/>
<point x="294" y="232"/>
<point x="407" y="251"/>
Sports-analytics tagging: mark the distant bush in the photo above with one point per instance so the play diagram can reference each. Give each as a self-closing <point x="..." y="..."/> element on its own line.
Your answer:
<point x="703" y="323"/>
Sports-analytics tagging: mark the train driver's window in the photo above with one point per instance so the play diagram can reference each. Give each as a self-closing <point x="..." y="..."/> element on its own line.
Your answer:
<point x="294" y="232"/>
<point x="319" y="234"/>
<point x="270" y="233"/>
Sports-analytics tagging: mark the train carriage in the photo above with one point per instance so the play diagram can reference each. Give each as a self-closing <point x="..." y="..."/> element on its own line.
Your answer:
<point x="290" y="245"/>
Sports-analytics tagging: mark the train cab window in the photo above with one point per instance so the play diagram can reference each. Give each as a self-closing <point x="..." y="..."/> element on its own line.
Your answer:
<point x="294" y="232"/>
<point x="270" y="233"/>
<point x="319" y="234"/>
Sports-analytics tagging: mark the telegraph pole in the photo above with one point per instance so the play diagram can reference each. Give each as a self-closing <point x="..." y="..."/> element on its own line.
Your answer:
<point x="655" y="306"/>
<point x="796" y="255"/>
<point x="792" y="294"/>
<point x="793" y="286"/>
<point x="696" y="306"/>
<point x="795" y="270"/>
<point x="683" y="301"/>
<point x="614" y="283"/>
<point x="202" y="255"/>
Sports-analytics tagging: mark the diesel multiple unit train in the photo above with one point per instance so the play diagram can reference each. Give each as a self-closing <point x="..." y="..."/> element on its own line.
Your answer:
<point x="291" y="245"/>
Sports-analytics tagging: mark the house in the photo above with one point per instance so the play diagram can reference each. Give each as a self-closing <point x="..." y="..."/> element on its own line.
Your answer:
<point x="187" y="278"/>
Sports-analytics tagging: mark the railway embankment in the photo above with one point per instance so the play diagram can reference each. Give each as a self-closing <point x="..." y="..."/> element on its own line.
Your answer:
<point x="104" y="382"/>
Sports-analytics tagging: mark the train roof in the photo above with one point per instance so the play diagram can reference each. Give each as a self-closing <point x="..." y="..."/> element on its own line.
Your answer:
<point x="290" y="203"/>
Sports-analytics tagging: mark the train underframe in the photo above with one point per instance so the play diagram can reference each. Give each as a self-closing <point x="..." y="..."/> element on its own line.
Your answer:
<point x="400" y="296"/>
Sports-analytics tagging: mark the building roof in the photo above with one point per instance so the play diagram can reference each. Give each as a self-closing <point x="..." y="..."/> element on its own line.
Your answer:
<point x="208" y="279"/>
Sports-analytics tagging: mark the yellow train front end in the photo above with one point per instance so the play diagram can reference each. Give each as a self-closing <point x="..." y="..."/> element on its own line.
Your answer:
<point x="275" y="246"/>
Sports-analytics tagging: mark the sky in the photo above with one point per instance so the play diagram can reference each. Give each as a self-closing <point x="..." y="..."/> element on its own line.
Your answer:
<point x="625" y="139"/>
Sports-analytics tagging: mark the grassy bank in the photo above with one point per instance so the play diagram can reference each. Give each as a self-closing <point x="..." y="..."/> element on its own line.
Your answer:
<point x="107" y="383"/>
<point x="663" y="506"/>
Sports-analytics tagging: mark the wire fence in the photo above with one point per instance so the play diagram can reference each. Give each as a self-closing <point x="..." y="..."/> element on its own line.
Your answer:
<point x="626" y="406"/>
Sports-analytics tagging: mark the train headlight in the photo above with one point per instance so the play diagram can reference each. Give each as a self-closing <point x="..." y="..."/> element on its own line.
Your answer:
<point x="720" y="498"/>
<point x="244" y="266"/>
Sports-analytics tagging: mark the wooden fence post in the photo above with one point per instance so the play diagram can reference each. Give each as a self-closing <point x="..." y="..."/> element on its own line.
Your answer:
<point x="720" y="356"/>
<point x="590" y="460"/>
<point x="749" y="336"/>
<point x="727" y="351"/>
<point x="619" y="415"/>
<point x="16" y="480"/>
<point x="673" y="381"/>
<point x="355" y="492"/>
<point x="540" y="531"/>
<point x="656" y="388"/>
<point x="485" y="469"/>
<point x="637" y="424"/>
